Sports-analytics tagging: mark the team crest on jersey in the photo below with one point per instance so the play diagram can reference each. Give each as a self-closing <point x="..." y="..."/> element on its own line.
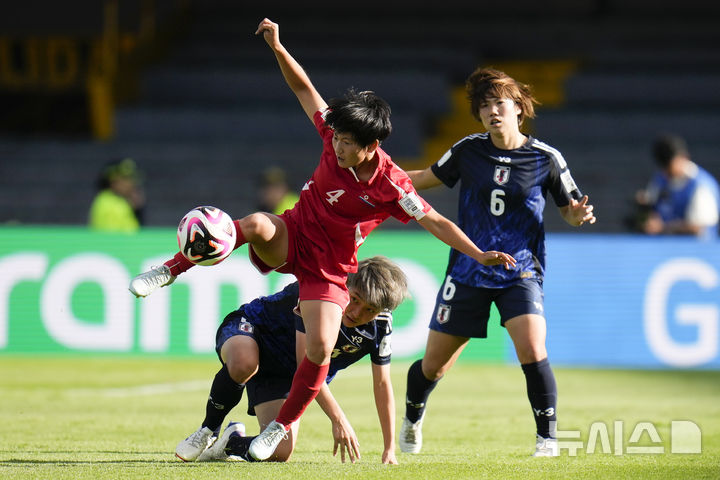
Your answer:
<point x="349" y="348"/>
<point x="502" y="174"/>
<point x="443" y="313"/>
<point x="245" y="327"/>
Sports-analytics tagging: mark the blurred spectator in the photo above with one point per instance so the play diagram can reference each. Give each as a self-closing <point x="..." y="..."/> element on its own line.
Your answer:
<point x="275" y="193"/>
<point x="682" y="198"/>
<point x="119" y="203"/>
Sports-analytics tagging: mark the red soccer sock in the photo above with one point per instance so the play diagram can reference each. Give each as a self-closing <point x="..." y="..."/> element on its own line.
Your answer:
<point x="306" y="384"/>
<point x="178" y="264"/>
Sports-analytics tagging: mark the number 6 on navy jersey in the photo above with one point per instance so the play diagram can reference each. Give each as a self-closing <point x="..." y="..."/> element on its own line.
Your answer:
<point x="497" y="204"/>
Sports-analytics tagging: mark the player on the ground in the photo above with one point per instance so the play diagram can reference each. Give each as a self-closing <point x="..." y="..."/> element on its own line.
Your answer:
<point x="504" y="179"/>
<point x="354" y="188"/>
<point x="258" y="343"/>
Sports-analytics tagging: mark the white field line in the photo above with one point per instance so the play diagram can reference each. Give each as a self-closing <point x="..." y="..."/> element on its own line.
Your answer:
<point x="145" y="390"/>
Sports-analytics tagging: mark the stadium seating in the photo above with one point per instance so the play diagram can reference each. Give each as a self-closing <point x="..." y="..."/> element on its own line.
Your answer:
<point x="215" y="105"/>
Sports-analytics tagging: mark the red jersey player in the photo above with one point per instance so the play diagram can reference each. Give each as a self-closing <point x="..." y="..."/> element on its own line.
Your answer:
<point x="355" y="187"/>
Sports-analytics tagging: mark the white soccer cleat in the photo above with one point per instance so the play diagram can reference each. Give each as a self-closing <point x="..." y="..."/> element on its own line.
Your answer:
<point x="216" y="452"/>
<point x="411" y="435"/>
<point x="264" y="445"/>
<point x="190" y="449"/>
<point x="147" y="282"/>
<point x="546" y="447"/>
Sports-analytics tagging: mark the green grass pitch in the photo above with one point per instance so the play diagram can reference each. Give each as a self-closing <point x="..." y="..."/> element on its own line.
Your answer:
<point x="96" y="417"/>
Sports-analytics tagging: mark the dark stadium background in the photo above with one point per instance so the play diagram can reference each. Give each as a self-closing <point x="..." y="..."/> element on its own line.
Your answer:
<point x="187" y="90"/>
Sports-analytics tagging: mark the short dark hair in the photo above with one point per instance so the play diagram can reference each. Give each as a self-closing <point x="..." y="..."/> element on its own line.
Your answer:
<point x="363" y="115"/>
<point x="666" y="147"/>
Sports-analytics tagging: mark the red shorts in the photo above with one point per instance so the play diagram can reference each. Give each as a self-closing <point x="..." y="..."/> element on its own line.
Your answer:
<point x="309" y="269"/>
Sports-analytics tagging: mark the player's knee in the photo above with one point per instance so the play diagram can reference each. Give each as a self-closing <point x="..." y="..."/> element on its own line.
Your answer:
<point x="531" y="353"/>
<point x="432" y="371"/>
<point x="254" y="226"/>
<point x="318" y="356"/>
<point x="318" y="352"/>
<point x="241" y="371"/>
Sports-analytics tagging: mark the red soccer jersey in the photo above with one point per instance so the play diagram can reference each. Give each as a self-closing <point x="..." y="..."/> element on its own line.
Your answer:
<point x="336" y="211"/>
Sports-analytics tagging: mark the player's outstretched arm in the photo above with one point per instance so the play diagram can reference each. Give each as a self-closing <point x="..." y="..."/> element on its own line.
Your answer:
<point x="577" y="213"/>
<point x="422" y="179"/>
<point x="295" y="76"/>
<point x="452" y="235"/>
<point x="385" y="405"/>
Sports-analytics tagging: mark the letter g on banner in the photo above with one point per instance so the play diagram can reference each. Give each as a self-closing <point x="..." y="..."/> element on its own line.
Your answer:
<point x="705" y="316"/>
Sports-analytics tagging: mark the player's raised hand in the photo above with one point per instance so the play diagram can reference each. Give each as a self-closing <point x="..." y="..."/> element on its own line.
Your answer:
<point x="580" y="212"/>
<point x="345" y="439"/>
<point x="270" y="32"/>
<point x="491" y="257"/>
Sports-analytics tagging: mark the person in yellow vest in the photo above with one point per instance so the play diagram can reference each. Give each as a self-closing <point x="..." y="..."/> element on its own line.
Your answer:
<point x="275" y="194"/>
<point x="119" y="203"/>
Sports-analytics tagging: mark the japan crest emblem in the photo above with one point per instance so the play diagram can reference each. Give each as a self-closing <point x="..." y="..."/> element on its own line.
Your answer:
<point x="443" y="313"/>
<point x="502" y="175"/>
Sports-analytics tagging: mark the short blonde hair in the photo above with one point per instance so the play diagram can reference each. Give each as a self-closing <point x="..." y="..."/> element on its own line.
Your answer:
<point x="488" y="82"/>
<point x="380" y="282"/>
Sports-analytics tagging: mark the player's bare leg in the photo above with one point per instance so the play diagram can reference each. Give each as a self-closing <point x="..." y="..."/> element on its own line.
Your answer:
<point x="528" y="334"/>
<point x="241" y="354"/>
<point x="322" y="323"/>
<point x="441" y="353"/>
<point x="268" y="235"/>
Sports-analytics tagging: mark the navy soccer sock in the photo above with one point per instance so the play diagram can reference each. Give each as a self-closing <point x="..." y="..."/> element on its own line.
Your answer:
<point x="225" y="393"/>
<point x="542" y="393"/>
<point x="418" y="391"/>
<point x="239" y="446"/>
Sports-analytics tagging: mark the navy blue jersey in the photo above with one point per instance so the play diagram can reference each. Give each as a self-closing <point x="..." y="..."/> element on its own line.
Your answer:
<point x="354" y="343"/>
<point x="273" y="328"/>
<point x="274" y="323"/>
<point x="501" y="202"/>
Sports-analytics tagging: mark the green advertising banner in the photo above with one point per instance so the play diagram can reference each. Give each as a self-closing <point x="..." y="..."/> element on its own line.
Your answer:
<point x="64" y="290"/>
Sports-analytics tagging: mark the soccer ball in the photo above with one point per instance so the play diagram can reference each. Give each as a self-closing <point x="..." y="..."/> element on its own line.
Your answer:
<point x="206" y="235"/>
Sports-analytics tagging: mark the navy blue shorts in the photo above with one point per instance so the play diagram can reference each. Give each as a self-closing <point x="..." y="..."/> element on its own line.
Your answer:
<point x="464" y="311"/>
<point x="273" y="378"/>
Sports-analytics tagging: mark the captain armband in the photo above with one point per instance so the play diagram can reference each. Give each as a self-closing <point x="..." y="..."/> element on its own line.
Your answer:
<point x="412" y="205"/>
<point x="568" y="181"/>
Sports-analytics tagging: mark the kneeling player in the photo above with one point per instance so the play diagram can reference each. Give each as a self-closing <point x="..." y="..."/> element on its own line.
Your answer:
<point x="259" y="345"/>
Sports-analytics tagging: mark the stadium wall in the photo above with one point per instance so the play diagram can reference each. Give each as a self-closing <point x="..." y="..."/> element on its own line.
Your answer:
<point x="617" y="301"/>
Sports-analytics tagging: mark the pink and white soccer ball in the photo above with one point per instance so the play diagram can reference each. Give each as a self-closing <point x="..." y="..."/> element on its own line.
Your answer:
<point x="206" y="235"/>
